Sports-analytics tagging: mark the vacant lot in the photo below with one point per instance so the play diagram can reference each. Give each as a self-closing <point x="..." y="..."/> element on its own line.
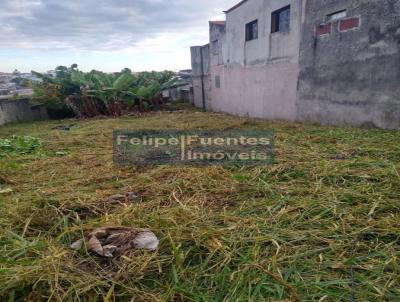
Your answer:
<point x="323" y="224"/>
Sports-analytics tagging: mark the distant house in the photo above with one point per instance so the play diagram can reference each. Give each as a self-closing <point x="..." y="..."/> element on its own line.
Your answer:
<point x="31" y="77"/>
<point x="182" y="90"/>
<point x="4" y="92"/>
<point x="331" y="62"/>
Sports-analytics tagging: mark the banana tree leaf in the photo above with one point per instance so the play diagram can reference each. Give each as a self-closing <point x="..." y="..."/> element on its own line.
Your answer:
<point x="170" y="83"/>
<point x="123" y="82"/>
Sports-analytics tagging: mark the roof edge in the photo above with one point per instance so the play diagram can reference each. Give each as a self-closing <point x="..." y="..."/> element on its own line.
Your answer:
<point x="217" y="22"/>
<point x="235" y="7"/>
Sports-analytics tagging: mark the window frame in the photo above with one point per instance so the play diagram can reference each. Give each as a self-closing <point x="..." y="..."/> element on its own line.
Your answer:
<point x="276" y="22"/>
<point x="336" y="16"/>
<point x="251" y="33"/>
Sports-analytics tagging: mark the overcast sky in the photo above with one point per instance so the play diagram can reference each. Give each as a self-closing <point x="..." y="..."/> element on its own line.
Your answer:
<point x="104" y="34"/>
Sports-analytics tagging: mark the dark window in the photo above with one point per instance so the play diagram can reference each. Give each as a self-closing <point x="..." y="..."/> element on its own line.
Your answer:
<point x="217" y="82"/>
<point x="280" y="20"/>
<point x="252" y="30"/>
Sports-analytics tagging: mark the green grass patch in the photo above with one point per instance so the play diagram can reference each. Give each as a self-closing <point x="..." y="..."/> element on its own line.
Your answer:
<point x="321" y="224"/>
<point x="19" y="145"/>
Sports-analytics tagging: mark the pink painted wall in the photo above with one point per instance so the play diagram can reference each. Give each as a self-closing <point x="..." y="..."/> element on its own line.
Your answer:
<point x="259" y="91"/>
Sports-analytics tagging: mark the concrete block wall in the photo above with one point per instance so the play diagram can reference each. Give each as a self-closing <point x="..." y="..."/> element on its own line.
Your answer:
<point x="20" y="111"/>
<point x="350" y="68"/>
<point x="201" y="76"/>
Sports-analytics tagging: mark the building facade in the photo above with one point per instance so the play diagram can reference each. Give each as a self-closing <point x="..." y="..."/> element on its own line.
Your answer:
<point x="333" y="62"/>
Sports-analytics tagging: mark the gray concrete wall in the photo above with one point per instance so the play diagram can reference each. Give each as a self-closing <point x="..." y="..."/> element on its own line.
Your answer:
<point x="20" y="111"/>
<point x="180" y="93"/>
<point x="351" y="77"/>
<point x="237" y="51"/>
<point x="259" y="77"/>
<point x="217" y="35"/>
<point x="201" y="76"/>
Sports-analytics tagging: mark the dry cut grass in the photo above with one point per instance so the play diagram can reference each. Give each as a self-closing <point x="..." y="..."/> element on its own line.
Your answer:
<point x="320" y="225"/>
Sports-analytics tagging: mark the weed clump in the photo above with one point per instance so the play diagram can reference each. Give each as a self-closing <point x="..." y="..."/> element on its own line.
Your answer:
<point x="19" y="145"/>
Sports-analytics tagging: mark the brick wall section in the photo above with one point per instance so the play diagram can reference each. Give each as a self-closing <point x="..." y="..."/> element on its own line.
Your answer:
<point x="323" y="29"/>
<point x="348" y="24"/>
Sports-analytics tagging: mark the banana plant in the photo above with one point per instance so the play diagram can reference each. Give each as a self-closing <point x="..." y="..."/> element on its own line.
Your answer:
<point x="94" y="93"/>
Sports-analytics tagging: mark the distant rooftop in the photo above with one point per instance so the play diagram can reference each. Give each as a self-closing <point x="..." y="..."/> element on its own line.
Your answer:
<point x="218" y="22"/>
<point x="235" y="7"/>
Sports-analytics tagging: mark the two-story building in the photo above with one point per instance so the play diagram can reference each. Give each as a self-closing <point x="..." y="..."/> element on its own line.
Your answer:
<point x="328" y="61"/>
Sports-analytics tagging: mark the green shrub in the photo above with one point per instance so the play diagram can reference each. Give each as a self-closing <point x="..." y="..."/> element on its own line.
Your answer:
<point x="19" y="145"/>
<point x="90" y="94"/>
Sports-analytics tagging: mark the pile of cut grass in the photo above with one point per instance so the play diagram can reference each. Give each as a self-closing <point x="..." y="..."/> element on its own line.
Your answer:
<point x="320" y="225"/>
